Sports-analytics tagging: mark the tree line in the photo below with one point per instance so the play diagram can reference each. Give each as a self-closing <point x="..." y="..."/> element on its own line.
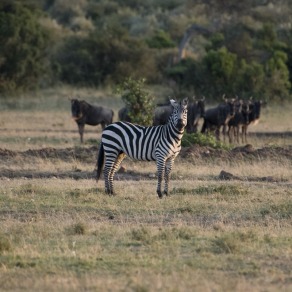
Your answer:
<point x="247" y="51"/>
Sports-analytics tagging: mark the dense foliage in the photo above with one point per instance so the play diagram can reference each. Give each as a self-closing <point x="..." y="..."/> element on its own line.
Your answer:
<point x="245" y="48"/>
<point x="23" y="55"/>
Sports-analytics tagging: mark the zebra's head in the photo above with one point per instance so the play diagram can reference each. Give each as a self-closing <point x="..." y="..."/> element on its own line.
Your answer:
<point x="180" y="113"/>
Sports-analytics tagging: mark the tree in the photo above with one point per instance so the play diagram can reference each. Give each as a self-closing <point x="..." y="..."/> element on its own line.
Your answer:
<point x="275" y="63"/>
<point x="277" y="76"/>
<point x="160" y="40"/>
<point x="220" y="71"/>
<point x="23" y="50"/>
<point x="250" y="80"/>
<point x="104" y="57"/>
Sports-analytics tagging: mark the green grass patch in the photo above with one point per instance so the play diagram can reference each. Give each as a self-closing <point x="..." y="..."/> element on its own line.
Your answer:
<point x="232" y="242"/>
<point x="278" y="211"/>
<point x="203" y="140"/>
<point x="224" y="190"/>
<point x="32" y="189"/>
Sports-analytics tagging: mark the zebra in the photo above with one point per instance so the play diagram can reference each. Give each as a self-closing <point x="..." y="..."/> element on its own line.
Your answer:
<point x="155" y="143"/>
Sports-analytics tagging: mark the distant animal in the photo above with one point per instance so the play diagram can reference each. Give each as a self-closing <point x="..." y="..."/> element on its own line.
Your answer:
<point x="239" y="120"/>
<point x="124" y="115"/>
<point x="85" y="113"/>
<point x="155" y="143"/>
<point x="218" y="117"/>
<point x="196" y="110"/>
<point x="253" y="117"/>
<point x="162" y="114"/>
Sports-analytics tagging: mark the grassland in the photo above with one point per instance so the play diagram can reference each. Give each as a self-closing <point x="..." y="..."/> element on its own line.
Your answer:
<point x="62" y="233"/>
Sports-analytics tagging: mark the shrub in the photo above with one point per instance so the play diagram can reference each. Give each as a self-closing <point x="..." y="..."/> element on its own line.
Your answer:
<point x="137" y="100"/>
<point x="202" y="140"/>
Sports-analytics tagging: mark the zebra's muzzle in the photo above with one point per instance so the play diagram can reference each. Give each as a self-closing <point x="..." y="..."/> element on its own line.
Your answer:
<point x="180" y="124"/>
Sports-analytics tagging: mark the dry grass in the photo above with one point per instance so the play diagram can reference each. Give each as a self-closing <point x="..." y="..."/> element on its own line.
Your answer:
<point x="67" y="235"/>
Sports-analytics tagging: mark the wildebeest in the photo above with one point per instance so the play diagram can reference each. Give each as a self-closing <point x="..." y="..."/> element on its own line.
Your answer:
<point x="85" y="113"/>
<point x="218" y="117"/>
<point x="162" y="114"/>
<point x="196" y="110"/>
<point x="124" y="115"/>
<point x="253" y="117"/>
<point x="240" y="119"/>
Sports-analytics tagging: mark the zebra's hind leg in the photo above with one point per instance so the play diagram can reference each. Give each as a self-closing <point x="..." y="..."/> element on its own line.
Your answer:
<point x="108" y="181"/>
<point x="160" y="171"/>
<point x="108" y="173"/>
<point x="111" y="166"/>
<point x="168" y="167"/>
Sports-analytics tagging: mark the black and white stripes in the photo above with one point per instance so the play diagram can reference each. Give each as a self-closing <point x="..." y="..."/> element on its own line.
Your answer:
<point x="159" y="143"/>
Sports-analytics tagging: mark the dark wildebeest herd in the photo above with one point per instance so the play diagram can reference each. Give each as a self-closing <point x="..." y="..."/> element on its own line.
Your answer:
<point x="231" y="117"/>
<point x="196" y="110"/>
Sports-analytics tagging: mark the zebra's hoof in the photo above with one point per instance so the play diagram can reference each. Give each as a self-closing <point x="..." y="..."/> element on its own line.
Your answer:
<point x="110" y="192"/>
<point x="160" y="195"/>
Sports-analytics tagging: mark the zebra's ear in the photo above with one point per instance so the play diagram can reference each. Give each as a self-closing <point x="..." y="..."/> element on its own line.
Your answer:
<point x="185" y="101"/>
<point x="173" y="102"/>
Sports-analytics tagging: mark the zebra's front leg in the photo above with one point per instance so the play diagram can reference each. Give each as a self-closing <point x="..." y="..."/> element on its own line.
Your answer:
<point x="168" y="167"/>
<point x="160" y="175"/>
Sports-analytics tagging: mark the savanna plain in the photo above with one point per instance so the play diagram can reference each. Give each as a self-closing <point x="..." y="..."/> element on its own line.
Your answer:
<point x="59" y="231"/>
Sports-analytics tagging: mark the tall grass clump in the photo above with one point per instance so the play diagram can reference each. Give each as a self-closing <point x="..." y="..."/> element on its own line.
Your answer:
<point x="78" y="228"/>
<point x="5" y="244"/>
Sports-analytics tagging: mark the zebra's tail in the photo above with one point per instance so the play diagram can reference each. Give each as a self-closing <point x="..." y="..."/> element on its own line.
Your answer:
<point x="100" y="160"/>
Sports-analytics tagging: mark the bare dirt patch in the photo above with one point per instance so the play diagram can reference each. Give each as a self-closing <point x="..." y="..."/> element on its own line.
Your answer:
<point x="88" y="155"/>
<point x="246" y="152"/>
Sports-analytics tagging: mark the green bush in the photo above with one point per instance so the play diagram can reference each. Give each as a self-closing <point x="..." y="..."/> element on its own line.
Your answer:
<point x="137" y="100"/>
<point x="202" y="140"/>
